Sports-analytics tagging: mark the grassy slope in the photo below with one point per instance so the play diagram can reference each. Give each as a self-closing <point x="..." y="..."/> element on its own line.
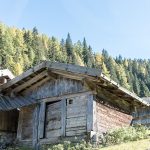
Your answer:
<point x="137" y="145"/>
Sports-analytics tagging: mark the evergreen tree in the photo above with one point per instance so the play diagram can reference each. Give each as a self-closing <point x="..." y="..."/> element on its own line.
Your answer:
<point x="111" y="65"/>
<point x="63" y="51"/>
<point x="144" y="91"/>
<point x="69" y="49"/>
<point x="85" y="52"/>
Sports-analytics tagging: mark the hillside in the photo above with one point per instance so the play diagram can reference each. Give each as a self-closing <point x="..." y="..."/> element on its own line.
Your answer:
<point x="22" y="49"/>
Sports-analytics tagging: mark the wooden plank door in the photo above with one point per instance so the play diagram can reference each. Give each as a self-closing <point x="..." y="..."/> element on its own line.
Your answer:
<point x="53" y="120"/>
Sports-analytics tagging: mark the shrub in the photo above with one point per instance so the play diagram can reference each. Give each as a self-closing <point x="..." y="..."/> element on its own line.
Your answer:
<point x="71" y="146"/>
<point x="125" y="134"/>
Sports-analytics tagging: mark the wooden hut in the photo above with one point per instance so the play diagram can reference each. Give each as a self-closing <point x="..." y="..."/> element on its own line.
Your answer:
<point x="52" y="102"/>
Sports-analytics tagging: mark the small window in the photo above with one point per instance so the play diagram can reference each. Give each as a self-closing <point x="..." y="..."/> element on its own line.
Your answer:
<point x="70" y="101"/>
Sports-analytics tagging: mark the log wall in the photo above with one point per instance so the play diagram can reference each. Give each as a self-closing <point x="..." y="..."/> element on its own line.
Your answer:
<point x="108" y="118"/>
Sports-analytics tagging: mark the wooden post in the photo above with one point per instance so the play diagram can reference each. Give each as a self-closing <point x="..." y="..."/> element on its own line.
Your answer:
<point x="90" y="114"/>
<point x="41" y="120"/>
<point x="91" y="118"/>
<point x="63" y="117"/>
<point x="19" y="130"/>
<point x="35" y="127"/>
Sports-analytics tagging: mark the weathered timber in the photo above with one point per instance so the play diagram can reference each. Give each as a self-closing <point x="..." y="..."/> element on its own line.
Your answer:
<point x="23" y="76"/>
<point x="19" y="130"/>
<point x="41" y="120"/>
<point x="29" y="89"/>
<point x="63" y="117"/>
<point x="35" y="138"/>
<point x="30" y="82"/>
<point x="109" y="118"/>
<point x="66" y="96"/>
<point x="51" y="119"/>
<point x="90" y="114"/>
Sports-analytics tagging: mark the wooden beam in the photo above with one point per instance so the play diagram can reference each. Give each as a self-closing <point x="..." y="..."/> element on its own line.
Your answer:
<point x="90" y="114"/>
<point x="26" y="91"/>
<point x="74" y="69"/>
<point x="63" y="117"/>
<point x="35" y="128"/>
<point x="30" y="82"/>
<point x="23" y="76"/>
<point x="20" y="121"/>
<point x="68" y="75"/>
<point x="56" y="98"/>
<point x="41" y="126"/>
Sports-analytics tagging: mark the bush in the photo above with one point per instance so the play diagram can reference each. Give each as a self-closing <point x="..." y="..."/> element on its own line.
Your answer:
<point x="71" y="146"/>
<point x="125" y="134"/>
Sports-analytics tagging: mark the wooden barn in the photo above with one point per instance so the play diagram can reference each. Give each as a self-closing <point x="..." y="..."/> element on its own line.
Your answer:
<point x="53" y="102"/>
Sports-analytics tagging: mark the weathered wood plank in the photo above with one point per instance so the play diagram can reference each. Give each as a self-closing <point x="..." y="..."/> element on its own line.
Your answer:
<point x="22" y="76"/>
<point x="90" y="114"/>
<point x="28" y="90"/>
<point x="35" y="127"/>
<point x="76" y="132"/>
<point x="75" y="122"/>
<point x="65" y="96"/>
<point x="63" y="117"/>
<point x="53" y="119"/>
<point x="20" y="121"/>
<point x="52" y="125"/>
<point x="69" y="76"/>
<point x="53" y="133"/>
<point x="30" y="82"/>
<point x="76" y="128"/>
<point x="41" y="120"/>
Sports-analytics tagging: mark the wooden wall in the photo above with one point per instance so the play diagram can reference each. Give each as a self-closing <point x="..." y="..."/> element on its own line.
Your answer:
<point x="56" y="87"/>
<point x="141" y="116"/>
<point x="108" y="118"/>
<point x="26" y="125"/>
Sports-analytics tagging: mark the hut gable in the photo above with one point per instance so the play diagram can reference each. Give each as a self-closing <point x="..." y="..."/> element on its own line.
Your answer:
<point x="57" y="87"/>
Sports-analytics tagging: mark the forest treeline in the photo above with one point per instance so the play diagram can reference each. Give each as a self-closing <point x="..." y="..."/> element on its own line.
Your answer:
<point x="22" y="49"/>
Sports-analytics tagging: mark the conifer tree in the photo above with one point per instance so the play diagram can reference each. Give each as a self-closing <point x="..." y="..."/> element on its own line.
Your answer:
<point x="69" y="49"/>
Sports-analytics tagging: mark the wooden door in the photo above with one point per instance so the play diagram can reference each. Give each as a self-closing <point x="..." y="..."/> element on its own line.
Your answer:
<point x="53" y="120"/>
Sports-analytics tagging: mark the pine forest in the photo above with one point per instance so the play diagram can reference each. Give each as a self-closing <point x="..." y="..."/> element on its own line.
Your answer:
<point x="23" y="49"/>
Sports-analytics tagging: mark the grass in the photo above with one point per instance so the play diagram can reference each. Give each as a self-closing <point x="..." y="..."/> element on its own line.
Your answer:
<point x="136" y="145"/>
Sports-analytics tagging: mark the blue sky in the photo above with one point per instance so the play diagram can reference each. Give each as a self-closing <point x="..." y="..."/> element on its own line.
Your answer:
<point x="119" y="26"/>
